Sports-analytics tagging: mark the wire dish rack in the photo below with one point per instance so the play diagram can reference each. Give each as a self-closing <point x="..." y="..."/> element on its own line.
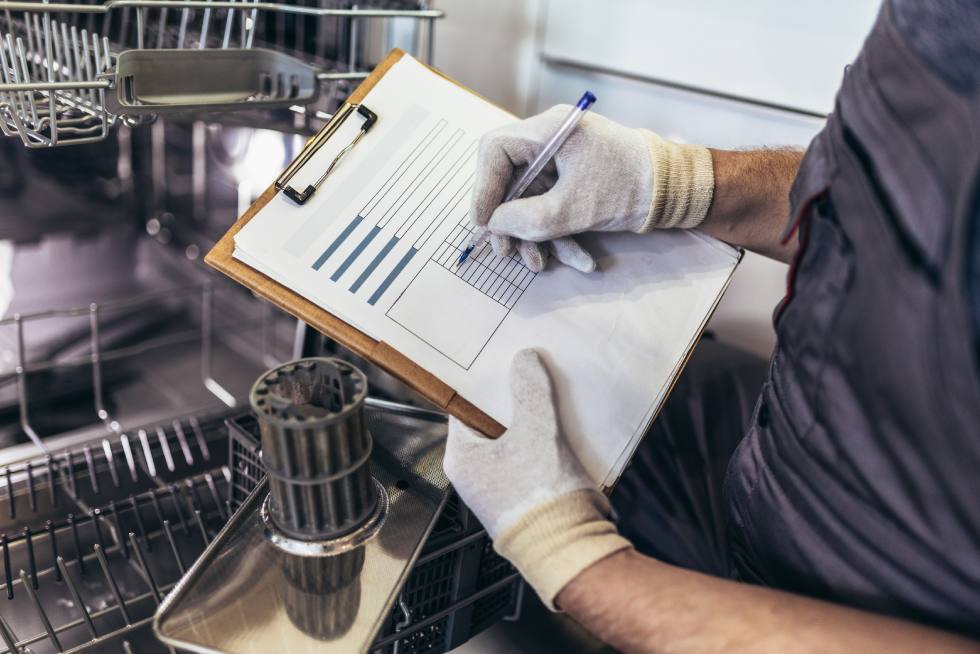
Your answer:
<point x="119" y="525"/>
<point x="58" y="61"/>
<point x="98" y="523"/>
<point x="96" y="528"/>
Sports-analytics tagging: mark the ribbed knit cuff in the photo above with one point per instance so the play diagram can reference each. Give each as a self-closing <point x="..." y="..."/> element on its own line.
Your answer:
<point x="683" y="184"/>
<point x="552" y="543"/>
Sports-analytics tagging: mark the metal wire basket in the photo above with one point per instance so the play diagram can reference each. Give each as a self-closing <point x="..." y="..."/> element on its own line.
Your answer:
<point x="58" y="61"/>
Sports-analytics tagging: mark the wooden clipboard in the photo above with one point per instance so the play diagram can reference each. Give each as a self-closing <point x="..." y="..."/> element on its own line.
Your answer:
<point x="378" y="352"/>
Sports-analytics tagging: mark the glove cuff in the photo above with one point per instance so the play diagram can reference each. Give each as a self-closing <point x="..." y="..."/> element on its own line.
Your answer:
<point x="555" y="541"/>
<point x="683" y="184"/>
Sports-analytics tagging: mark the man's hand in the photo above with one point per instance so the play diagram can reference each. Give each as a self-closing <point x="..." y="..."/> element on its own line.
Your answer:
<point x="545" y="516"/>
<point x="609" y="178"/>
<point x="529" y="490"/>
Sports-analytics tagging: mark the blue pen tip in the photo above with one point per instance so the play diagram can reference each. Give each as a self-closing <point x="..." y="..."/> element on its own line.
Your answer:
<point x="586" y="100"/>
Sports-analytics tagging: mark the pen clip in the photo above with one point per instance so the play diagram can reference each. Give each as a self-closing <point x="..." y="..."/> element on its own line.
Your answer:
<point x="301" y="197"/>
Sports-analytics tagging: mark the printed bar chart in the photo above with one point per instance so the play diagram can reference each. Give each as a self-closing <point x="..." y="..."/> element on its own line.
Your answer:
<point x="430" y="182"/>
<point x="421" y="206"/>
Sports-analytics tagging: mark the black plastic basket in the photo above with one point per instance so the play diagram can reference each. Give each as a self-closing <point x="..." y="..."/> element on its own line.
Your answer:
<point x="458" y="587"/>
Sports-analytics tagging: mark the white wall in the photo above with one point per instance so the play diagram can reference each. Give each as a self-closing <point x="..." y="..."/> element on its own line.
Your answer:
<point x="529" y="55"/>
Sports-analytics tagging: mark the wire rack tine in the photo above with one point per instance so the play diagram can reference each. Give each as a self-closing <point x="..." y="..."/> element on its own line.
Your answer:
<point x="182" y="32"/>
<point x="104" y="564"/>
<point x="52" y="635"/>
<point x="8" y="577"/>
<point x="77" y="597"/>
<point x="140" y="26"/>
<point x="163" y="27"/>
<point x="49" y="67"/>
<point x="146" y="568"/>
<point x="128" y="455"/>
<point x="25" y="77"/>
<point x="172" y="489"/>
<point x="144" y="440"/>
<point x="9" y="639"/>
<point x="202" y="442"/>
<point x="56" y="62"/>
<point x="168" y="457"/>
<point x="31" y="33"/>
<point x="205" y="24"/>
<point x="229" y="21"/>
<point x="173" y="547"/>
<point x="87" y="63"/>
<point x="21" y="371"/>
<point x="185" y="447"/>
<point x="111" y="459"/>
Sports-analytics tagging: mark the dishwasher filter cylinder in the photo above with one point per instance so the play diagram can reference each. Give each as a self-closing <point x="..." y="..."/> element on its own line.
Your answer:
<point x="316" y="448"/>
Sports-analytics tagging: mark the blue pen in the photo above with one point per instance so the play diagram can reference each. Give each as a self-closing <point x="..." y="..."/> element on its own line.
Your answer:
<point x="481" y="234"/>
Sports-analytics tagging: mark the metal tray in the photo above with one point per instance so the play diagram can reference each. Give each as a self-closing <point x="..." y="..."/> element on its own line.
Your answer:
<point x="244" y="596"/>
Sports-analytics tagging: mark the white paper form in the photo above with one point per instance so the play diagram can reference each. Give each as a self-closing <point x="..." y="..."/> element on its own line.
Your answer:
<point x="377" y="246"/>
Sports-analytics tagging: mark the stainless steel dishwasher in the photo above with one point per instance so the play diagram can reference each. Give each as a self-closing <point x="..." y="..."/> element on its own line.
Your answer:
<point x="126" y="440"/>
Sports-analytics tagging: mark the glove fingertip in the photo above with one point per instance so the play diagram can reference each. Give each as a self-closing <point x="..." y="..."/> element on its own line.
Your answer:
<point x="533" y="255"/>
<point x="503" y="246"/>
<point x="569" y="252"/>
<point x="529" y="379"/>
<point x="527" y="357"/>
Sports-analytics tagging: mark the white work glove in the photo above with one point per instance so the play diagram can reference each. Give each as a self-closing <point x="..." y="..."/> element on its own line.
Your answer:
<point x="609" y="178"/>
<point x="529" y="489"/>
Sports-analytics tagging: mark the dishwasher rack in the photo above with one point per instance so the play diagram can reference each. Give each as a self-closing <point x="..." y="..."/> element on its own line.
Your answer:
<point x="57" y="60"/>
<point x="90" y="576"/>
<point x="97" y="524"/>
<point x="96" y="529"/>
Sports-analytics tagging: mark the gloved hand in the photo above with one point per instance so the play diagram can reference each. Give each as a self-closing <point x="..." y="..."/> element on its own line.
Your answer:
<point x="609" y="178"/>
<point x="529" y="489"/>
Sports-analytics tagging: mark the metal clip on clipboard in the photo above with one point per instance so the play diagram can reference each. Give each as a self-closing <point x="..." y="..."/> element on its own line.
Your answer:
<point x="314" y="145"/>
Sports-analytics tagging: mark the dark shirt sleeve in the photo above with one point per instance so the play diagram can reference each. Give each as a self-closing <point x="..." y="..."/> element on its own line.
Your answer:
<point x="946" y="35"/>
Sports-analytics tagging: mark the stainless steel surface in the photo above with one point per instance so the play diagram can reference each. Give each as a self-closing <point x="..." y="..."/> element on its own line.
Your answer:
<point x="93" y="361"/>
<point x="59" y="61"/>
<point x="242" y="596"/>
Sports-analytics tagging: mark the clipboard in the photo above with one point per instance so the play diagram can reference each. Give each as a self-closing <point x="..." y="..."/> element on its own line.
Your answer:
<point x="378" y="352"/>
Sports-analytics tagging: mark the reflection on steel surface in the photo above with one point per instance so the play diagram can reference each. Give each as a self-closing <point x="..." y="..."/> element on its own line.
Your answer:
<point x="246" y="595"/>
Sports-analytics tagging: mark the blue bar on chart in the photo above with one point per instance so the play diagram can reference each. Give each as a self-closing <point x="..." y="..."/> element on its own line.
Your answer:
<point x="374" y="264"/>
<point x="337" y="242"/>
<point x="391" y="276"/>
<point x="356" y="253"/>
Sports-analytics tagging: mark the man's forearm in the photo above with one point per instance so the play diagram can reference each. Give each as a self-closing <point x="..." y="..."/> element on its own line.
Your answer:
<point x="638" y="604"/>
<point x="750" y="206"/>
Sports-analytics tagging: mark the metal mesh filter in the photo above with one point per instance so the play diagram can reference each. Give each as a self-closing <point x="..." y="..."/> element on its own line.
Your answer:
<point x="315" y="447"/>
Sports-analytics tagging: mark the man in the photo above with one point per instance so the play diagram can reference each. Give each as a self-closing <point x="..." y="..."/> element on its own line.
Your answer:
<point x="851" y="505"/>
